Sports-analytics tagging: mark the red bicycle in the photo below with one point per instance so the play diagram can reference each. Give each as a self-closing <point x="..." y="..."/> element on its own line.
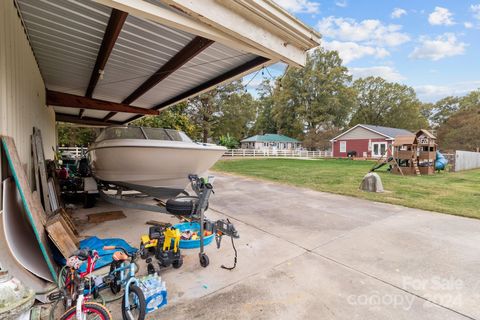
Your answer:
<point x="73" y="293"/>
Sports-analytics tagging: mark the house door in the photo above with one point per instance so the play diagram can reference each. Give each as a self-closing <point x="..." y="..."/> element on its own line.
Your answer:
<point x="378" y="149"/>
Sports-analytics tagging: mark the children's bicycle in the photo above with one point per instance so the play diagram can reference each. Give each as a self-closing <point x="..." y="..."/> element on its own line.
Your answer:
<point x="122" y="275"/>
<point x="73" y="292"/>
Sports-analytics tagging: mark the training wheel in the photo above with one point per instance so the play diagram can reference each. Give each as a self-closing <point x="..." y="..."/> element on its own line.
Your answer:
<point x="204" y="262"/>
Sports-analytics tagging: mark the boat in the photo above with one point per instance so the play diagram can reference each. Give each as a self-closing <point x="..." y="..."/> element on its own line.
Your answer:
<point x="142" y="158"/>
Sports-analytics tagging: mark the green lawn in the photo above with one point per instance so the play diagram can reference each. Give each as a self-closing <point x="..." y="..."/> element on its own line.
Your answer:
<point x="453" y="193"/>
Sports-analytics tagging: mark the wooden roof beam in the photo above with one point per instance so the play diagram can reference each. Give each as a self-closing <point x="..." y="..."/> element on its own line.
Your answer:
<point x="193" y="48"/>
<point x="114" y="27"/>
<point x="61" y="99"/>
<point x="85" y="120"/>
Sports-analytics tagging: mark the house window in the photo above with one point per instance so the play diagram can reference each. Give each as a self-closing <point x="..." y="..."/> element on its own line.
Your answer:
<point x="343" y="146"/>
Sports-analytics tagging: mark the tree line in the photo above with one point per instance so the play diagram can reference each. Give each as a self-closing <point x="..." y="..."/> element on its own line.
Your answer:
<point x="315" y="103"/>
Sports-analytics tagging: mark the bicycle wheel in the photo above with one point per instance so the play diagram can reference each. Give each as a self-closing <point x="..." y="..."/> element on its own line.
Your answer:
<point x="93" y="310"/>
<point x="136" y="301"/>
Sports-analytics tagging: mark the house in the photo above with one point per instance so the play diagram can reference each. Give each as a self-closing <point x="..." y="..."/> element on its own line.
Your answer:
<point x="271" y="141"/>
<point x="366" y="141"/>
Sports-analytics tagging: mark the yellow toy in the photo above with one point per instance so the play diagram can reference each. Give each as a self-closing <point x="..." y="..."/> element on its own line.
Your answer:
<point x="163" y="243"/>
<point x="171" y="233"/>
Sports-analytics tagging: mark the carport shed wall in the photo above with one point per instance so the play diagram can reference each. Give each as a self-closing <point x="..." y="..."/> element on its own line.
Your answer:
<point x="22" y="90"/>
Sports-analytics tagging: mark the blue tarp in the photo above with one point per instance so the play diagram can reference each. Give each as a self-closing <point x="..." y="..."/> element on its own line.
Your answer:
<point x="440" y="162"/>
<point x="95" y="243"/>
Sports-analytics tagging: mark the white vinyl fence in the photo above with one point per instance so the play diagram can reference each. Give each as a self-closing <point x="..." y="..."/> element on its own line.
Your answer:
<point x="466" y="160"/>
<point x="74" y="152"/>
<point x="276" y="153"/>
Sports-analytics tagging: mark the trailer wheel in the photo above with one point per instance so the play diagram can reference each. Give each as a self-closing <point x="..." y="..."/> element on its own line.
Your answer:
<point x="182" y="206"/>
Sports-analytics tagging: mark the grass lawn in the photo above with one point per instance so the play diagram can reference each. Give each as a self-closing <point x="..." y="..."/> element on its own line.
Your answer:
<point x="453" y="193"/>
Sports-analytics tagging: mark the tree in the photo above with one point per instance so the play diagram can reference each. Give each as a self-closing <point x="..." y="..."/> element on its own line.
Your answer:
<point x="265" y="122"/>
<point x="224" y="109"/>
<point x="228" y="141"/>
<point x="458" y="128"/>
<point x="171" y="118"/>
<point x="236" y="116"/>
<point x="71" y="136"/>
<point x="460" y="131"/>
<point x="443" y="109"/>
<point x="319" y="93"/>
<point x="387" y="104"/>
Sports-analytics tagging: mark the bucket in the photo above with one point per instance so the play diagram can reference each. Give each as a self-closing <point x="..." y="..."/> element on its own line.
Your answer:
<point x="15" y="299"/>
<point x="194" y="227"/>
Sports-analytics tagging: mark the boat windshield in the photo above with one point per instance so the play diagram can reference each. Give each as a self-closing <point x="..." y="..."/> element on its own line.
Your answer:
<point x="142" y="133"/>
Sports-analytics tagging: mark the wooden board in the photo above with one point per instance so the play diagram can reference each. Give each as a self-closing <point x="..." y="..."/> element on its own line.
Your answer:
<point x="37" y="138"/>
<point x="158" y="223"/>
<point x="67" y="228"/>
<point x="35" y="164"/>
<point x="34" y="213"/>
<point x="105" y="216"/>
<point x="61" y="236"/>
<point x="68" y="220"/>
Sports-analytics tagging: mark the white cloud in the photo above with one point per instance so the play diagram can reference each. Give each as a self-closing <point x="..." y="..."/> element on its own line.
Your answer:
<point x="350" y="51"/>
<point x="299" y="6"/>
<point x="468" y="25"/>
<point x="442" y="46"/>
<point x="397" y="13"/>
<point x="475" y="8"/>
<point x="441" y="16"/>
<point x="341" y="3"/>
<point x="386" y="72"/>
<point x="432" y="93"/>
<point x="371" y="32"/>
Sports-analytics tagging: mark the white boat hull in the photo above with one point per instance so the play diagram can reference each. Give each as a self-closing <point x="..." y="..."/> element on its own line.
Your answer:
<point x="151" y="163"/>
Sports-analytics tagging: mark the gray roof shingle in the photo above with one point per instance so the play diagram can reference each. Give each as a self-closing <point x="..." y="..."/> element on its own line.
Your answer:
<point x="391" y="132"/>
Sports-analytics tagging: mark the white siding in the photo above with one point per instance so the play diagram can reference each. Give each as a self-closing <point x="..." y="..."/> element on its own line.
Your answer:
<point x="360" y="133"/>
<point x="22" y="91"/>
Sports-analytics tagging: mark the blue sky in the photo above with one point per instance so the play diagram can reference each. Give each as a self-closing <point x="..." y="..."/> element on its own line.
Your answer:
<point x="431" y="45"/>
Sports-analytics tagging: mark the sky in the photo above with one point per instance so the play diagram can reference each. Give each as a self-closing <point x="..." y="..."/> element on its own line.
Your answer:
<point x="430" y="45"/>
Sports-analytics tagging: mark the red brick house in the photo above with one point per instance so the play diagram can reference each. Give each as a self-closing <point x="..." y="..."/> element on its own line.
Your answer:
<point x="366" y="141"/>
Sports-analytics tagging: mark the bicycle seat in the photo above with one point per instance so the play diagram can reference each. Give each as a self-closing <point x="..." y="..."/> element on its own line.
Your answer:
<point x="82" y="254"/>
<point x="119" y="256"/>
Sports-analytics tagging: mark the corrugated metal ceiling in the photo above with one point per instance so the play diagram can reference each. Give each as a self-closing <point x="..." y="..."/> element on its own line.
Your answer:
<point x="66" y="36"/>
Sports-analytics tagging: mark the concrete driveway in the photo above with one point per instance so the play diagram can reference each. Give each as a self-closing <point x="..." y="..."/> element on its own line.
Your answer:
<point x="313" y="255"/>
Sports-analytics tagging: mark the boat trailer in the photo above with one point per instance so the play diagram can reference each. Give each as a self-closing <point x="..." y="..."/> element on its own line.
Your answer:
<point x="191" y="208"/>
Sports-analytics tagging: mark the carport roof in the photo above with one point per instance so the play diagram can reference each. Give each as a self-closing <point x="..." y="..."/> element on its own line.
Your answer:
<point x="111" y="61"/>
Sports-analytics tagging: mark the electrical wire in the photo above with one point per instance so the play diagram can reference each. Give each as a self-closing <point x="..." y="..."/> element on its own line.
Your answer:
<point x="234" y="260"/>
<point x="252" y="79"/>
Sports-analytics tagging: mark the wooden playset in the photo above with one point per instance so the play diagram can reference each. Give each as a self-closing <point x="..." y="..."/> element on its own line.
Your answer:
<point x="411" y="155"/>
